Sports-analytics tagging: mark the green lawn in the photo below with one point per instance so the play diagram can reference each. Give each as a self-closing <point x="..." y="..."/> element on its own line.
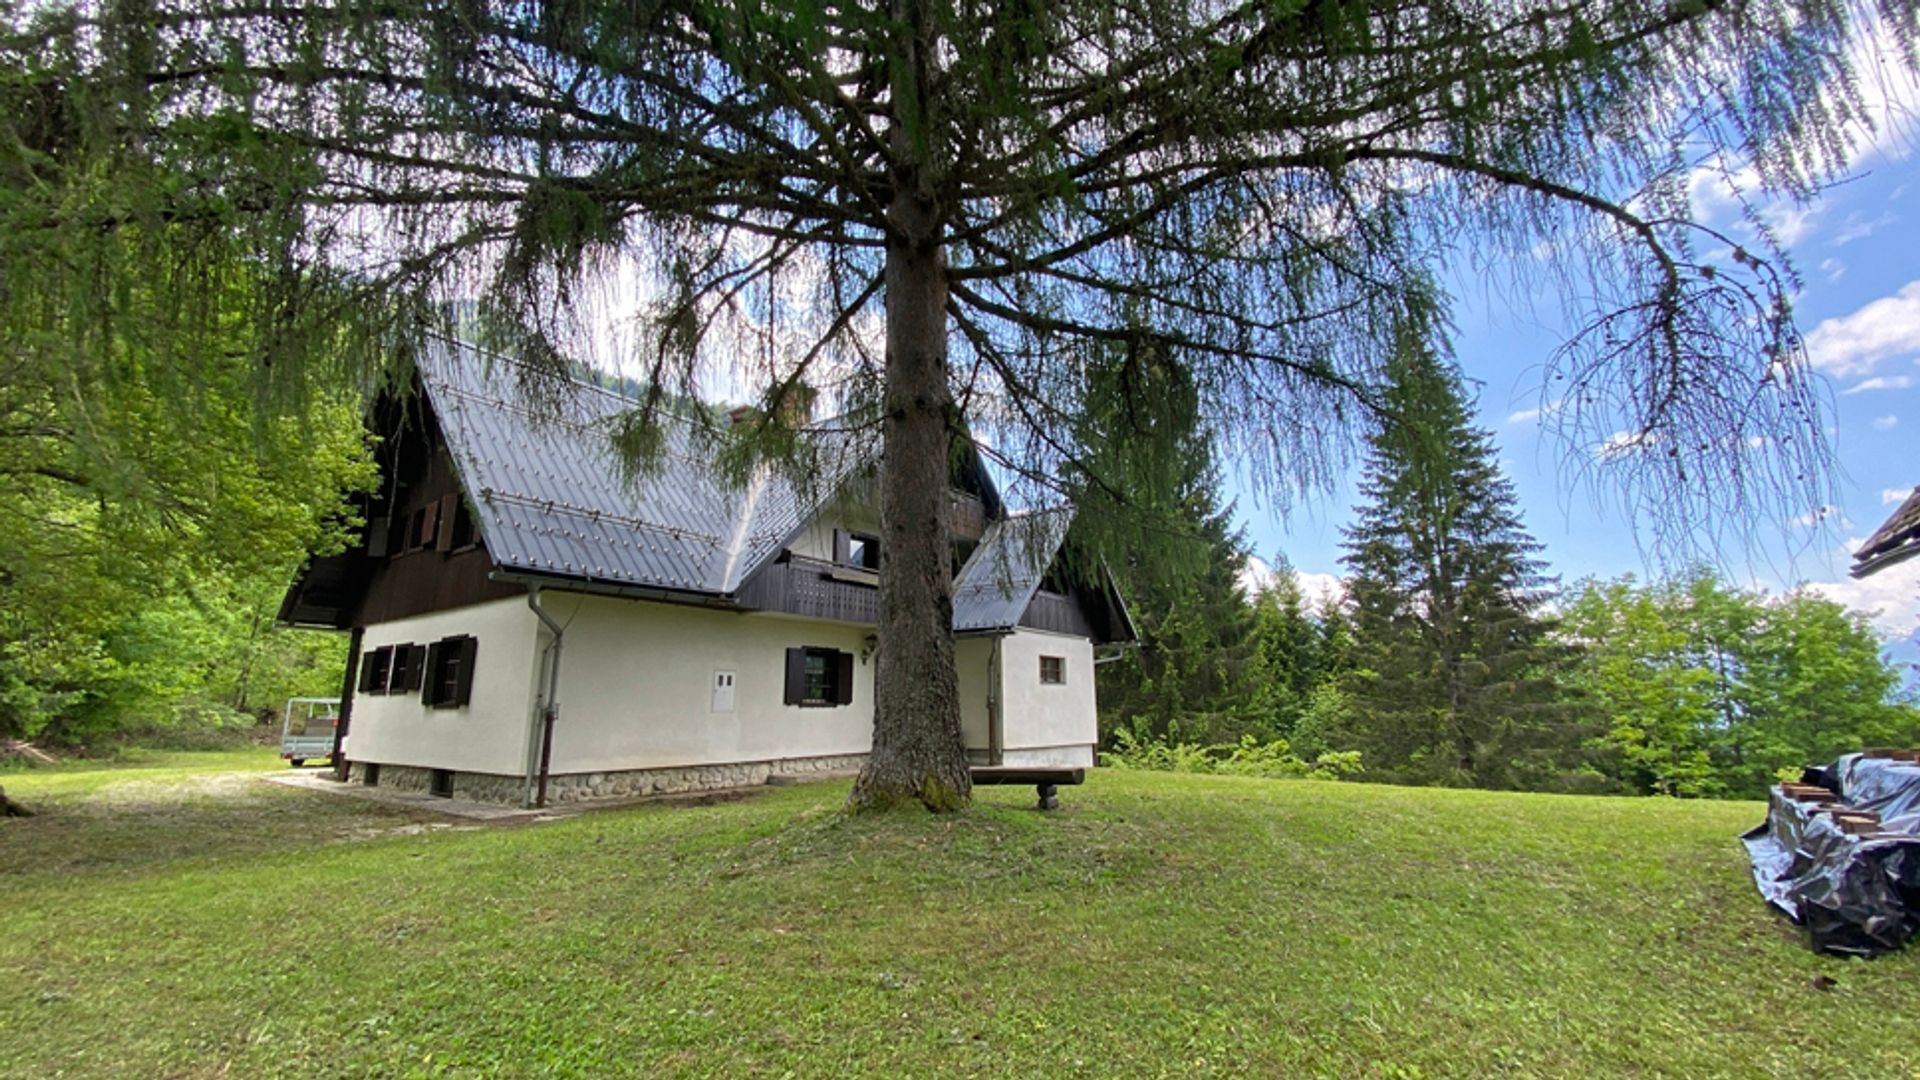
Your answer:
<point x="178" y="921"/>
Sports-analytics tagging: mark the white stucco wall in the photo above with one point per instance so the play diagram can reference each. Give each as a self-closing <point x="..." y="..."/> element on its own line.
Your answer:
<point x="636" y="691"/>
<point x="486" y="735"/>
<point x="815" y="540"/>
<point x="635" y="687"/>
<point x="1047" y="724"/>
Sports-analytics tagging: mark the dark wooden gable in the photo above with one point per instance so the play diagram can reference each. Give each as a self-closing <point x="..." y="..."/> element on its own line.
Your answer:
<point x="420" y="551"/>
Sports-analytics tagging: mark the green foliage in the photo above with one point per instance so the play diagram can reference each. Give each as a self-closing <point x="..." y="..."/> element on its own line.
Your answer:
<point x="1285" y="658"/>
<point x="1453" y="676"/>
<point x="1710" y="689"/>
<point x="160" y="476"/>
<point x="1147" y="496"/>
<point x="1248" y="757"/>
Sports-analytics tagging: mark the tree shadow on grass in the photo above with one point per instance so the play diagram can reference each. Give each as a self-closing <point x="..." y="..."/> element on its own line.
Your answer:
<point x="143" y="824"/>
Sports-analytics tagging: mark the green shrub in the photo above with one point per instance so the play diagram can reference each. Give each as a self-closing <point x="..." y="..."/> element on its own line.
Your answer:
<point x="1248" y="757"/>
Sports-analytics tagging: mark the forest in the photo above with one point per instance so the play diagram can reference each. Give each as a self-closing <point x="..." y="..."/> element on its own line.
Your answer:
<point x="1455" y="658"/>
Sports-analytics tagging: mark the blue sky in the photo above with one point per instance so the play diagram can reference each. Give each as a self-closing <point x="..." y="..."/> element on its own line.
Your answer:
<point x="1857" y="248"/>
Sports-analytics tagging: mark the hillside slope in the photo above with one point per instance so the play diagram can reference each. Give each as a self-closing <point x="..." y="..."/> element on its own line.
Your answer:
<point x="176" y="923"/>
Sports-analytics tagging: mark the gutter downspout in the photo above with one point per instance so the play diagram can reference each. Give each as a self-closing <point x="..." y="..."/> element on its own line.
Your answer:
<point x="546" y="707"/>
<point x="996" y="720"/>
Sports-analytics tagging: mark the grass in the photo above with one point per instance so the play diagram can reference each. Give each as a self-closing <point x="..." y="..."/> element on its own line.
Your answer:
<point x="185" y="922"/>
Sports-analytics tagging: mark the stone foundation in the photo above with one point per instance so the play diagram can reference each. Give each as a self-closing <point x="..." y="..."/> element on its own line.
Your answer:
<point x="631" y="783"/>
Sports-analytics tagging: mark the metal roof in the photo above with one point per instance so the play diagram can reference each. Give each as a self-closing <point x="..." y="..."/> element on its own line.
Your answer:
<point x="1895" y="541"/>
<point x="999" y="580"/>
<point x="550" y="496"/>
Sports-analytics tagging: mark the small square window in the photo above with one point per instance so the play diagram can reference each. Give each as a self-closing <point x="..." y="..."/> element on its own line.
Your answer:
<point x="1053" y="669"/>
<point x="863" y="551"/>
<point x="819" y="677"/>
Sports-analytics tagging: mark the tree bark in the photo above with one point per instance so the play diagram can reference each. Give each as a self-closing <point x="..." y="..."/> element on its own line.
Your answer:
<point x="919" y="755"/>
<point x="9" y="808"/>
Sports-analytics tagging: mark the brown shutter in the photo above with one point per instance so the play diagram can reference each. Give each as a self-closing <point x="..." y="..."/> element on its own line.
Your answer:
<point x="843" y="678"/>
<point x="429" y="526"/>
<point x="448" y="503"/>
<point x="377" y="529"/>
<point x="796" y="676"/>
<point x="430" y="672"/>
<point x="463" y="686"/>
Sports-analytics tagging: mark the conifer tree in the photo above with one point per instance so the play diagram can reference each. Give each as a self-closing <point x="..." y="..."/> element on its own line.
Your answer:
<point x="933" y="205"/>
<point x="1452" y="679"/>
<point x="1149" y="499"/>
<point x="1284" y="655"/>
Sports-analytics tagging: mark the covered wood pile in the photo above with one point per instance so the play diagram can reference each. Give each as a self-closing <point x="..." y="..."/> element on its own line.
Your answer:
<point x="1840" y="852"/>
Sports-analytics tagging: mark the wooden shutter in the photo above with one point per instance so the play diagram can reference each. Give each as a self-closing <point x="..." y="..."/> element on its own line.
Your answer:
<point x="796" y="676"/>
<point x="409" y="665"/>
<point x="430" y="673"/>
<point x="366" y="671"/>
<point x="429" y="526"/>
<point x="377" y="529"/>
<point x="843" y="678"/>
<point x="469" y="650"/>
<point x="448" y="504"/>
<point x="842" y="547"/>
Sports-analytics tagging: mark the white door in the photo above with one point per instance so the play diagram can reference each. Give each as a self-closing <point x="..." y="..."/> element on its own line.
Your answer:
<point x="722" y="692"/>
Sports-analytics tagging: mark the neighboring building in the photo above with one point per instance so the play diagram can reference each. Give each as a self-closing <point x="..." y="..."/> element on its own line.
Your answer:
<point x="1895" y="541"/>
<point x="531" y="624"/>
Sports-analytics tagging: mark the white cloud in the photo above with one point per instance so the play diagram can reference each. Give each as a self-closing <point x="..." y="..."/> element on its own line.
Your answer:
<point x="1621" y="443"/>
<point x="1317" y="588"/>
<point x="1819" y="515"/>
<point x="1885" y="423"/>
<point x="1891" y="597"/>
<point x="1889" y="496"/>
<point x="1885" y="131"/>
<point x="1880" y="382"/>
<point x="1859" y="228"/>
<point x="1855" y="344"/>
<point x="1833" y="268"/>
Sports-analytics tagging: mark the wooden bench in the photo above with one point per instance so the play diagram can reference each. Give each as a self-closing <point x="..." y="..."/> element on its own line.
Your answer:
<point x="1045" y="780"/>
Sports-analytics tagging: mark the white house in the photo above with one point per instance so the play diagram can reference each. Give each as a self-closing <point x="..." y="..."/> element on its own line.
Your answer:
<point x="531" y="625"/>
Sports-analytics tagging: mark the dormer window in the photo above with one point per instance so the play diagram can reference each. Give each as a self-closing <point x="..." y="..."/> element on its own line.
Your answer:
<point x="863" y="551"/>
<point x="860" y="551"/>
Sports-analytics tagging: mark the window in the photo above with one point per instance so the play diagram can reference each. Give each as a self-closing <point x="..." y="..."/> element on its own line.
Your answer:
<point x="375" y="665"/>
<point x="863" y="551"/>
<point x="448" y="680"/>
<point x="392" y="669"/>
<point x="409" y="665"/>
<point x="858" y="550"/>
<point x="1053" y="669"/>
<point x="461" y="536"/>
<point x="819" y="677"/>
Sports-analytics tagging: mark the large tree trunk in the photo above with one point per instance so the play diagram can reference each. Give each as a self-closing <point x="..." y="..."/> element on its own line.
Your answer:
<point x="9" y="808"/>
<point x="918" y="753"/>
